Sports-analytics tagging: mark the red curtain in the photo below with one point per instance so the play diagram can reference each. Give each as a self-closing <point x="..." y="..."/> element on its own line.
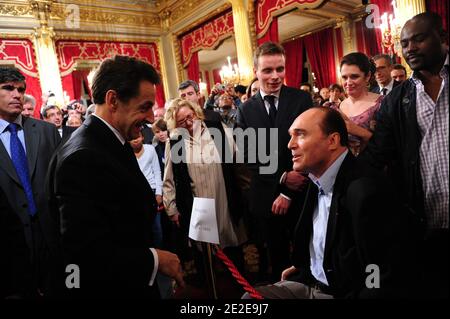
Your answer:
<point x="216" y="76"/>
<point x="366" y="39"/>
<point x="319" y="48"/>
<point x="294" y="59"/>
<point x="193" y="68"/>
<point x="440" y="7"/>
<point x="208" y="84"/>
<point x="271" y="34"/>
<point x="73" y="81"/>
<point x="34" y="89"/>
<point x="339" y="43"/>
<point x="360" y="45"/>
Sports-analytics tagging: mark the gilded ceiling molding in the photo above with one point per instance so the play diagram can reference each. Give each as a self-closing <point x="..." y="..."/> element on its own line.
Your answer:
<point x="16" y="10"/>
<point x="89" y="14"/>
<point x="191" y="7"/>
<point x="177" y="49"/>
<point x="28" y="36"/>
<point x="104" y="38"/>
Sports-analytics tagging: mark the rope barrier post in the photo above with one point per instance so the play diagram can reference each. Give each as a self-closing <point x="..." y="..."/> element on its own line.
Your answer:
<point x="209" y="270"/>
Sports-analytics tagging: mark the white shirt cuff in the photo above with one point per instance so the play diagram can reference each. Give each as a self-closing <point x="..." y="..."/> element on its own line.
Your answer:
<point x="155" y="266"/>
<point x="287" y="197"/>
<point x="282" y="178"/>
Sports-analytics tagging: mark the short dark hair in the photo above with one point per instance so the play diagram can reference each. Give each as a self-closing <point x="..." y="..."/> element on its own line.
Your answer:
<point x="333" y="122"/>
<point x="434" y="20"/>
<point x="11" y="74"/>
<point x="308" y="85"/>
<point x="360" y="60"/>
<point x="159" y="124"/>
<point x="383" y="56"/>
<point x="335" y="86"/>
<point x="399" y="67"/>
<point x="240" y="88"/>
<point x="188" y="83"/>
<point x="267" y="48"/>
<point x="122" y="74"/>
<point x="47" y="108"/>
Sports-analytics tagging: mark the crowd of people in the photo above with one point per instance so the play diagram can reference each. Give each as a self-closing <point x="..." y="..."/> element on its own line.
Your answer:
<point x="359" y="187"/>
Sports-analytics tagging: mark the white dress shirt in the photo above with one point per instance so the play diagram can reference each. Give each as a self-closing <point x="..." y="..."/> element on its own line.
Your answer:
<point x="325" y="183"/>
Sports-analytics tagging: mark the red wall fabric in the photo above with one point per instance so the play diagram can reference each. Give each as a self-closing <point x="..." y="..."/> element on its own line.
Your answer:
<point x="440" y="7"/>
<point x="216" y="76"/>
<point x="271" y="34"/>
<point x="320" y="51"/>
<point x="366" y="39"/>
<point x="206" y="36"/>
<point x="70" y="51"/>
<point x="360" y="45"/>
<point x="193" y="69"/>
<point x="208" y="84"/>
<point x="339" y="43"/>
<point x="294" y="61"/>
<point x="21" y="53"/>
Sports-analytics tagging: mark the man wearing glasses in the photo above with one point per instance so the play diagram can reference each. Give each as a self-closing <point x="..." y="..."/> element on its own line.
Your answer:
<point x="22" y="177"/>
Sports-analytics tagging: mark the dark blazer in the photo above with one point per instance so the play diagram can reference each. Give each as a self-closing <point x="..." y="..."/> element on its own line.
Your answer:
<point x="377" y="88"/>
<point x="396" y="144"/>
<point x="252" y="114"/>
<point x="105" y="208"/>
<point x="67" y="132"/>
<point x="366" y="225"/>
<point x="41" y="140"/>
<point x="15" y="263"/>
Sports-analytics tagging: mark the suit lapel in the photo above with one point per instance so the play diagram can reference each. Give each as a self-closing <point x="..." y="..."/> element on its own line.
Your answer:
<point x="262" y="112"/>
<point x="339" y="190"/>
<point x="7" y="164"/>
<point x="283" y="107"/>
<point x="32" y="139"/>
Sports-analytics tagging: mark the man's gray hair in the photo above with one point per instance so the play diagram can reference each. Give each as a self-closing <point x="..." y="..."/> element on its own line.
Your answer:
<point x="383" y="56"/>
<point x="29" y="99"/>
<point x="188" y="83"/>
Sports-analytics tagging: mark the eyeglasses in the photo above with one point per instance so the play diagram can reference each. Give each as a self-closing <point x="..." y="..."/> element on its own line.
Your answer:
<point x="183" y="122"/>
<point x="9" y="87"/>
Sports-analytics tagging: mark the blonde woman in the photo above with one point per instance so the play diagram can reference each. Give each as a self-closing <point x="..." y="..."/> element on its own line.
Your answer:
<point x="202" y="172"/>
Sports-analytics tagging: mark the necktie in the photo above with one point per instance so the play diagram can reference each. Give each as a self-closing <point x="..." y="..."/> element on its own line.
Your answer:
<point x="384" y="91"/>
<point x="272" y="109"/>
<point x="19" y="160"/>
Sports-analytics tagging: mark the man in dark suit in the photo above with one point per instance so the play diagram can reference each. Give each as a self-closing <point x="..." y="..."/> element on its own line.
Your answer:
<point x="411" y="138"/>
<point x="52" y="114"/>
<point x="104" y="203"/>
<point x="350" y="238"/>
<point x="383" y="68"/>
<point x="274" y="107"/>
<point x="22" y="174"/>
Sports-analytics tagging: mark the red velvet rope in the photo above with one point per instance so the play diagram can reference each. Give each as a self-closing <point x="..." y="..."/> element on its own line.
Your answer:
<point x="241" y="280"/>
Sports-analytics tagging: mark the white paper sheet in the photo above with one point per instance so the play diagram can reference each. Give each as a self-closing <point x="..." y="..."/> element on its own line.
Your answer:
<point x="203" y="225"/>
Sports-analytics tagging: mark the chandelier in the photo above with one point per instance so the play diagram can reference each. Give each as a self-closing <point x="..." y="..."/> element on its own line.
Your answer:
<point x="391" y="26"/>
<point x="230" y="73"/>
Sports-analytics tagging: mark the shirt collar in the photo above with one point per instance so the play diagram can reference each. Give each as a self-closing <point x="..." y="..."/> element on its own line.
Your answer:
<point x="263" y="94"/>
<point x="326" y="181"/>
<point x="4" y="124"/>
<point x="389" y="86"/>
<point x="116" y="132"/>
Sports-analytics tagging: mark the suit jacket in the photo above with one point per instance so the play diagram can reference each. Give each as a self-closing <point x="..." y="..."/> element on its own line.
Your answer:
<point x="396" y="144"/>
<point x="15" y="263"/>
<point x="366" y="226"/>
<point x="67" y="133"/>
<point x="252" y="114"/>
<point x="377" y="88"/>
<point x="105" y="209"/>
<point x="41" y="140"/>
